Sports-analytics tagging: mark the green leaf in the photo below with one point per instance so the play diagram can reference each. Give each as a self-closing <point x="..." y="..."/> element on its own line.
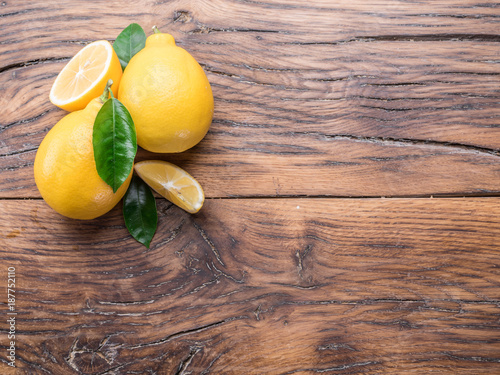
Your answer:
<point x="115" y="143"/>
<point x="139" y="211"/>
<point x="130" y="41"/>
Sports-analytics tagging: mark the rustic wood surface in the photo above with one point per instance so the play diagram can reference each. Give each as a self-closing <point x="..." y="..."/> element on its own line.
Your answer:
<point x="352" y="175"/>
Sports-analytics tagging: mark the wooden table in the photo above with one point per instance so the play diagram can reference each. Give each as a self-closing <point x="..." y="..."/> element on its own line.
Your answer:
<point x="352" y="174"/>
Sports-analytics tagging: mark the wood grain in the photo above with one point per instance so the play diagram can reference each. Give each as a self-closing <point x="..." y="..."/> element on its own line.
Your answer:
<point x="260" y="286"/>
<point x="297" y="264"/>
<point x="323" y="99"/>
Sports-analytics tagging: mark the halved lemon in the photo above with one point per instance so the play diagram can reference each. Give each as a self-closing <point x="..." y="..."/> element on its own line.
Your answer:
<point x="173" y="183"/>
<point x="85" y="76"/>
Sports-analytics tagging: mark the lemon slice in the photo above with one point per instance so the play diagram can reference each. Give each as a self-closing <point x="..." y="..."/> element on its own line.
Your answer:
<point x="173" y="183"/>
<point x="85" y="76"/>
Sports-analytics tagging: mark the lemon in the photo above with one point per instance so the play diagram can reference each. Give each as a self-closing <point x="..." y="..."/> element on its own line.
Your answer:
<point x="65" y="170"/>
<point x="85" y="76"/>
<point x="173" y="183"/>
<point x="168" y="95"/>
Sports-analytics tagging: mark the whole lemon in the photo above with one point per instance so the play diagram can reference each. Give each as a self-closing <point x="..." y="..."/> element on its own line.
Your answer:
<point x="65" y="170"/>
<point x="168" y="95"/>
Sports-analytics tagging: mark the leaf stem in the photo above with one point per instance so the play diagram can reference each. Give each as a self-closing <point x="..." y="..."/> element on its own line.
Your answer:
<point x="155" y="29"/>
<point x="107" y="91"/>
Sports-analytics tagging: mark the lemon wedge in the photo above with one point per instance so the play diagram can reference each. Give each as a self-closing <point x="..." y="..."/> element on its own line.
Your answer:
<point x="173" y="183"/>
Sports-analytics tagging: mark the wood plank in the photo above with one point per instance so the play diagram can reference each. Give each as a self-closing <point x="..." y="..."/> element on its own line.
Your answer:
<point x="308" y="102"/>
<point x="277" y="286"/>
<point x="393" y="90"/>
<point x="287" y="156"/>
<point x="59" y="25"/>
<point x="339" y="166"/>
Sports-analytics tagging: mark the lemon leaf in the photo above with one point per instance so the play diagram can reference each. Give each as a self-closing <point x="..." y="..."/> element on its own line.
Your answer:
<point x="114" y="142"/>
<point x="130" y="41"/>
<point x="139" y="211"/>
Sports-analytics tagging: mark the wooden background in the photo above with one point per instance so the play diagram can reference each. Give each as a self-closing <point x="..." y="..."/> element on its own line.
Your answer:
<point x="352" y="221"/>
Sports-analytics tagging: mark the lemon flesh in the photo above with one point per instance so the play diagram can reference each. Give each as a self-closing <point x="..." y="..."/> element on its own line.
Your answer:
<point x="85" y="76"/>
<point x="173" y="183"/>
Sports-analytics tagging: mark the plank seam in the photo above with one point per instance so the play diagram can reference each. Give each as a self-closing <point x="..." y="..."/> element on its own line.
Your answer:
<point x="408" y="38"/>
<point x="32" y="62"/>
<point x="400" y="141"/>
<point x="319" y="196"/>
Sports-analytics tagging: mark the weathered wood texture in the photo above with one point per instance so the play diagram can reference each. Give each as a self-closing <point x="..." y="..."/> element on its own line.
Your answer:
<point x="339" y="98"/>
<point x="320" y="98"/>
<point x="378" y="286"/>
